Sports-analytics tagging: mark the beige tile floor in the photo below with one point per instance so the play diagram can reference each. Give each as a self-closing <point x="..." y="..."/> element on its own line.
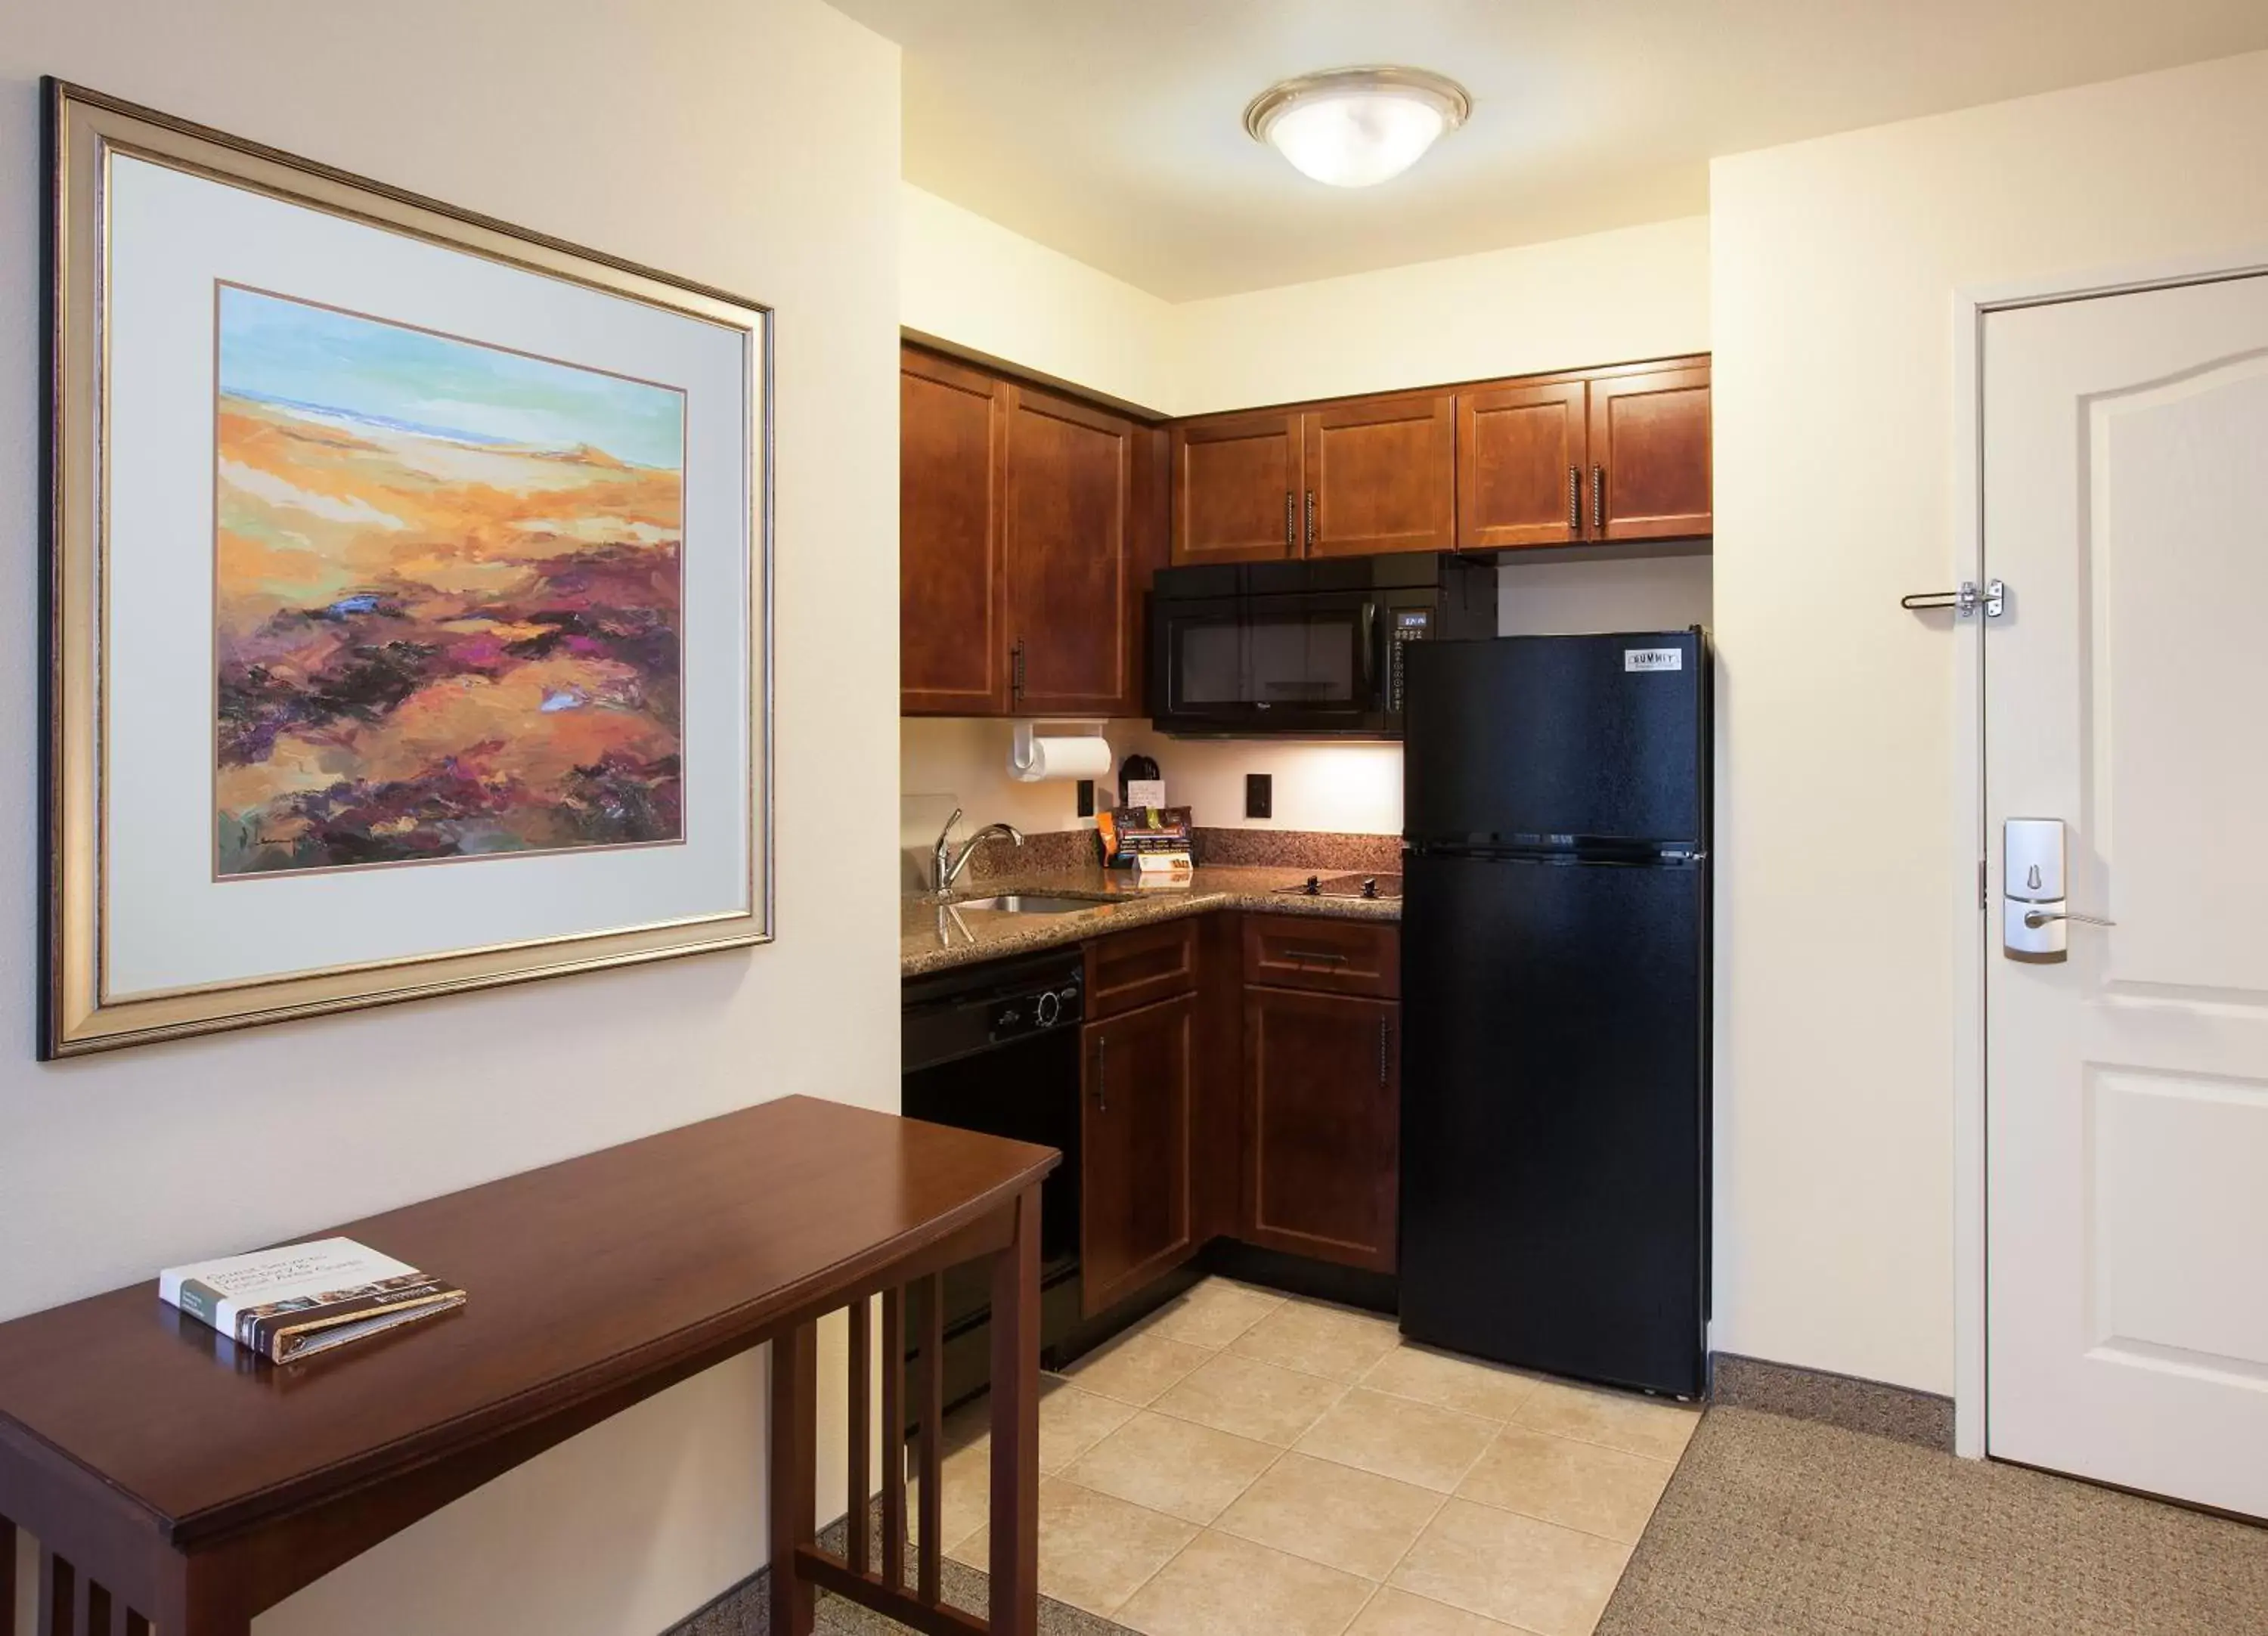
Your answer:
<point x="1244" y="1462"/>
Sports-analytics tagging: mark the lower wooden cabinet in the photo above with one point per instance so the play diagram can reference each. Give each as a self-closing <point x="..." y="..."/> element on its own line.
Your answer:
<point x="1321" y="1124"/>
<point x="1136" y="1210"/>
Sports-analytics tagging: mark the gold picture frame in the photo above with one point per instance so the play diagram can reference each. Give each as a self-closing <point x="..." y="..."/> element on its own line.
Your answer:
<point x="83" y="1010"/>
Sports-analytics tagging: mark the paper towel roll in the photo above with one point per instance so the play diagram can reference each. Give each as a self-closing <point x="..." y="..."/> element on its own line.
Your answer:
<point x="1032" y="758"/>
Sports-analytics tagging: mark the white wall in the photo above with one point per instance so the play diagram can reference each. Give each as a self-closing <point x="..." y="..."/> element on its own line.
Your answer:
<point x="1609" y="298"/>
<point x="1834" y="268"/>
<point x="749" y="144"/>
<point x="971" y="282"/>
<point x="1569" y="597"/>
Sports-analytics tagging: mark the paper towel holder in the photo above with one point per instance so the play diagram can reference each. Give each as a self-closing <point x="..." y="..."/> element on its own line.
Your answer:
<point x="1019" y="748"/>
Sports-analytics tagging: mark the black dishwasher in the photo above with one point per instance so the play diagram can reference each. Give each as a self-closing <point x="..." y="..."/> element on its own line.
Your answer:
<point x="995" y="1048"/>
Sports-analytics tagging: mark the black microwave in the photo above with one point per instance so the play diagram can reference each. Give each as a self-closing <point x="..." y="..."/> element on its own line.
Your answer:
<point x="1309" y="649"/>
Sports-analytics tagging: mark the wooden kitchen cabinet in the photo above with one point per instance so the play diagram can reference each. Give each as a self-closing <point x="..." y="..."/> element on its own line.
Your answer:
<point x="1649" y="450"/>
<point x="1349" y="479"/>
<point x="1237" y="481"/>
<point x="1064" y="554"/>
<point x="1029" y="524"/>
<point x="953" y="655"/>
<point x="1128" y="970"/>
<point x="1611" y="454"/>
<point x="1381" y="475"/>
<point x="1322" y="1125"/>
<point x="1136" y="1205"/>
<point x="1521" y="455"/>
<point x="1320" y="952"/>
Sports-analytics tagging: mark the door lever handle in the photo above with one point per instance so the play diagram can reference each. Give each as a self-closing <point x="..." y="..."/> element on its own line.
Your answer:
<point x="2037" y="918"/>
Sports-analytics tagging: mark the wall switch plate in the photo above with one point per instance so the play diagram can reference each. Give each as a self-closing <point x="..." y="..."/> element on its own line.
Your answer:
<point x="1086" y="797"/>
<point x="1259" y="795"/>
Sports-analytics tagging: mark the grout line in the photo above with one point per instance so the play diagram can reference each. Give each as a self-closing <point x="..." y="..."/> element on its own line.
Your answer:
<point x="1490" y="1505"/>
<point x="1127" y="1599"/>
<point x="1432" y="1517"/>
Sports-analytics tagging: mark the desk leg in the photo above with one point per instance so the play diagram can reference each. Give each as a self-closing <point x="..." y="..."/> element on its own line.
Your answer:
<point x="1015" y="1560"/>
<point x="794" y="1459"/>
<point x="195" y="1597"/>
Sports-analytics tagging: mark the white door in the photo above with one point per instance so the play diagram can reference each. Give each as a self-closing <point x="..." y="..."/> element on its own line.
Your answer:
<point x="2126" y="694"/>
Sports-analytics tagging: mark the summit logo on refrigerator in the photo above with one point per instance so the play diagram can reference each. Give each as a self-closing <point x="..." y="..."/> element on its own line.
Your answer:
<point x="1653" y="659"/>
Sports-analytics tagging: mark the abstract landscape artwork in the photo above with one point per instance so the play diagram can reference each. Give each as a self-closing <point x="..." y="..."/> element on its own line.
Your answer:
<point x="447" y="595"/>
<point x="408" y="612"/>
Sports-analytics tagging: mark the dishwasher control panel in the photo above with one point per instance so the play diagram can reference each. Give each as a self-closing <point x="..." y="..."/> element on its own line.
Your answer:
<point x="1035" y="1011"/>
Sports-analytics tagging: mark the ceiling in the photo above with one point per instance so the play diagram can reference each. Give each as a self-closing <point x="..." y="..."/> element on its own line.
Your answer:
<point x="1112" y="130"/>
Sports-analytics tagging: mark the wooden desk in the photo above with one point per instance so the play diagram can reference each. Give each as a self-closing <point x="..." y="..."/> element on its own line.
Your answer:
<point x="176" y="1484"/>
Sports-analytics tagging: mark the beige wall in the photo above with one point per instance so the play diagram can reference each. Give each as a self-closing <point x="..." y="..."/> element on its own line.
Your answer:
<point x="1637" y="292"/>
<point x="750" y="143"/>
<point x="1609" y="297"/>
<point x="973" y="282"/>
<point x="1834" y="265"/>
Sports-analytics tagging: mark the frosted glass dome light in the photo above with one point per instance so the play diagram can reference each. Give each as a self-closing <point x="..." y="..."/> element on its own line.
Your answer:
<point x="1357" y="126"/>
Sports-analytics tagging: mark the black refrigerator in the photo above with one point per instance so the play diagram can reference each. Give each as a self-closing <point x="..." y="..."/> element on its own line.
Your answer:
<point x="1555" y="995"/>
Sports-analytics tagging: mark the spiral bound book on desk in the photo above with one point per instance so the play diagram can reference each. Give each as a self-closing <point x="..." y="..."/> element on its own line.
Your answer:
<point x="299" y="1300"/>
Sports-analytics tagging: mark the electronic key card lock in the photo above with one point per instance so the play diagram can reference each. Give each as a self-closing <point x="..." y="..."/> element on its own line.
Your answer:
<point x="2036" y="916"/>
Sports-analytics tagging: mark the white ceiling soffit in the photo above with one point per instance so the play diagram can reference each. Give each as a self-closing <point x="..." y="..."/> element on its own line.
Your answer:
<point x="1112" y="131"/>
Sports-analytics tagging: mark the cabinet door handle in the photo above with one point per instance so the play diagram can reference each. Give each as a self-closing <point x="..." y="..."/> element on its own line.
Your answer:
<point x="1311" y="522"/>
<point x="1319" y="956"/>
<point x="1385" y="1037"/>
<point x="1016" y="674"/>
<point x="1102" y="1073"/>
<point x="1598" y="499"/>
<point x="1575" y="499"/>
<point x="1291" y="524"/>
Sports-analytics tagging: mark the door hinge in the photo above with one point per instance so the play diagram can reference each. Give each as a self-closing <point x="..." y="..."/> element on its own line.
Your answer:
<point x="1965" y="601"/>
<point x="1984" y="889"/>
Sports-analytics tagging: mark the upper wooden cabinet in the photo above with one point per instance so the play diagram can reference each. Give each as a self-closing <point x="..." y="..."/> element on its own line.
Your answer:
<point x="953" y="657"/>
<point x="1349" y="479"/>
<point x="1028" y="527"/>
<point x="1520" y="454"/>
<point x="1612" y="454"/>
<point x="1237" y="486"/>
<point x="1069" y="479"/>
<point x="1650" y="454"/>
<point x="1381" y="476"/>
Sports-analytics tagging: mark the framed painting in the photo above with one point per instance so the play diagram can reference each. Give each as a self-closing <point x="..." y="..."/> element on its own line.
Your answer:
<point x="408" y="599"/>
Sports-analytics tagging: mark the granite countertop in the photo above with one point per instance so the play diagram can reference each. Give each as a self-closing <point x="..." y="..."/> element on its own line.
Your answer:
<point x="933" y="937"/>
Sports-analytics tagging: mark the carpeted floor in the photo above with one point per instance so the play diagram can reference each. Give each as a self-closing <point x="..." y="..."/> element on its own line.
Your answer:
<point x="1775" y="1527"/>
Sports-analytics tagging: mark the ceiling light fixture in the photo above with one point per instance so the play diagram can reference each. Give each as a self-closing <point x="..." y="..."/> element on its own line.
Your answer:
<point x="1357" y="126"/>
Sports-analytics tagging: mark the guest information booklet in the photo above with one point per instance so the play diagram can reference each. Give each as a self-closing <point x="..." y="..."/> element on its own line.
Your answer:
<point x="302" y="1299"/>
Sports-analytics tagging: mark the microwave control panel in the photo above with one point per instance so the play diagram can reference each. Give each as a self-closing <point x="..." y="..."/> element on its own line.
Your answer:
<point x="1411" y="624"/>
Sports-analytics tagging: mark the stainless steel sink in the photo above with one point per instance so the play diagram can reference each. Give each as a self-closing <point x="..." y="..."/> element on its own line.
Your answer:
<point x="1024" y="903"/>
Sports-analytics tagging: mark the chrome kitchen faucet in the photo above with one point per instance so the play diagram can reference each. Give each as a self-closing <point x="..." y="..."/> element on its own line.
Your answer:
<point x="944" y="868"/>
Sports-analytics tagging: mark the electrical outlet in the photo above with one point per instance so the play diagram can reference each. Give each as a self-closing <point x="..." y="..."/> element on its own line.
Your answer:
<point x="1259" y="795"/>
<point x="1086" y="797"/>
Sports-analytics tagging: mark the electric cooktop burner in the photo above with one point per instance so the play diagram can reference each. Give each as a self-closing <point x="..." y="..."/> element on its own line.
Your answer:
<point x="1346" y="886"/>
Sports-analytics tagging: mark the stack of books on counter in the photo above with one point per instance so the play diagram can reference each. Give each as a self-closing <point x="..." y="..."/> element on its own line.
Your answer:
<point x="295" y="1301"/>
